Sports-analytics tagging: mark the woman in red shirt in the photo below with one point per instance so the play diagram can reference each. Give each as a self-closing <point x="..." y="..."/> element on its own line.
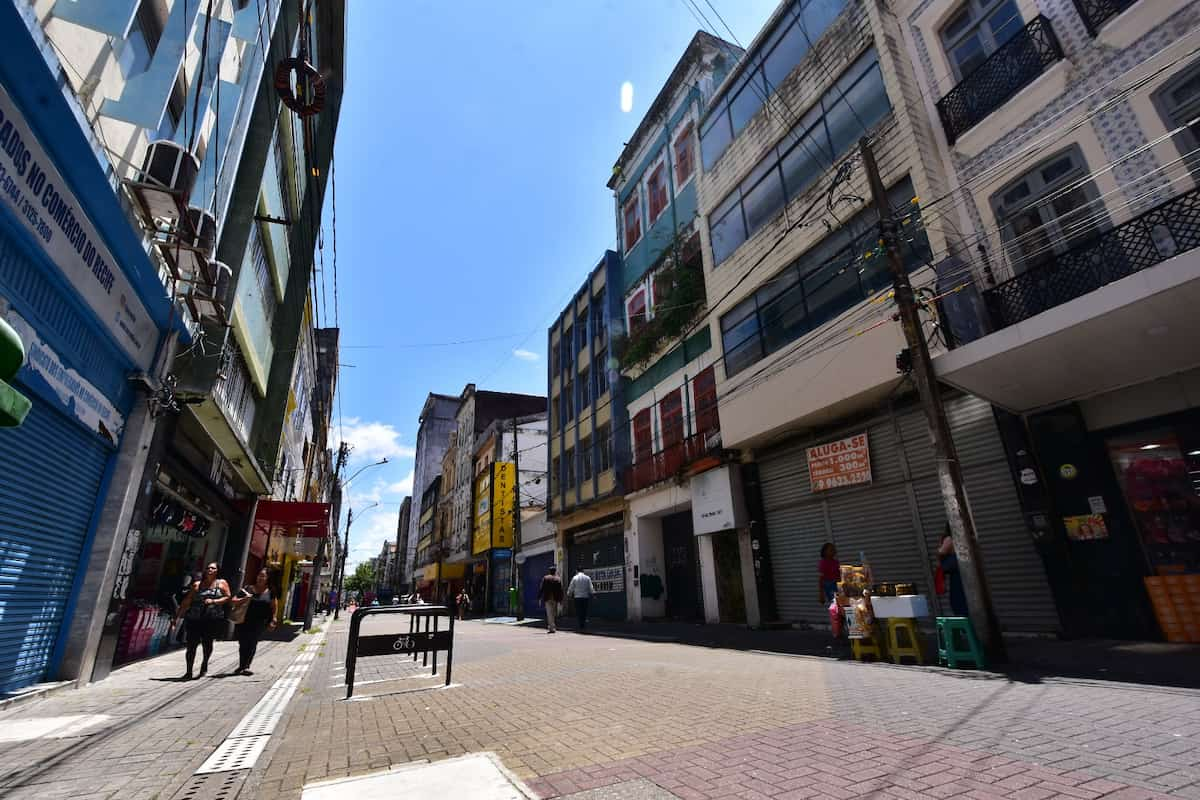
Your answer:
<point x="829" y="572"/>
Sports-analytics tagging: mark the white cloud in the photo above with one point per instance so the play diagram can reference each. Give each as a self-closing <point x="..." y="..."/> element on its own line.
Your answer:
<point x="368" y="534"/>
<point x="402" y="487"/>
<point x="372" y="441"/>
<point x="525" y="355"/>
<point x="627" y="97"/>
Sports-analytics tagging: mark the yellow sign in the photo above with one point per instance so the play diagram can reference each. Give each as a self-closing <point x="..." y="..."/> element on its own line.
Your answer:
<point x="502" y="504"/>
<point x="481" y="535"/>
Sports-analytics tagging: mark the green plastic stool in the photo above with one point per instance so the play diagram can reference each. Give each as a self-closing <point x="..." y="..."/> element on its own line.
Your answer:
<point x="950" y="630"/>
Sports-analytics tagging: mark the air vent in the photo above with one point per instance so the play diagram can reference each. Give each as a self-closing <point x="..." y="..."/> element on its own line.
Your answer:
<point x="199" y="237"/>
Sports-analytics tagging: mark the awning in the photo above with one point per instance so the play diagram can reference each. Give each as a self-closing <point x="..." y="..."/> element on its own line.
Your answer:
<point x="279" y="519"/>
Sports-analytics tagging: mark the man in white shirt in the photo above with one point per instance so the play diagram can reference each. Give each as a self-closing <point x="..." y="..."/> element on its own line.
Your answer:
<point x="581" y="589"/>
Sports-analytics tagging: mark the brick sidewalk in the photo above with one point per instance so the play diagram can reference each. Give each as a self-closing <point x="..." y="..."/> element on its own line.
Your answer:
<point x="571" y="713"/>
<point x="145" y="734"/>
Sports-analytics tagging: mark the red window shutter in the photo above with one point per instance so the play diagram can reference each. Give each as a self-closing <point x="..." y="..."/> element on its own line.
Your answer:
<point x="637" y="311"/>
<point x="670" y="411"/>
<point x="684" y="163"/>
<point x="704" y="390"/>
<point x="633" y="222"/>
<point x="643" y="444"/>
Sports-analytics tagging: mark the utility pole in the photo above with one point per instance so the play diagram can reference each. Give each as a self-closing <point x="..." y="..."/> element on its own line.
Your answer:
<point x="345" y="555"/>
<point x="962" y="527"/>
<point x="516" y="583"/>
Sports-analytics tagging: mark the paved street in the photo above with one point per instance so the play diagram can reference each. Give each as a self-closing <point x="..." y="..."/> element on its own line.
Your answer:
<point x="600" y="717"/>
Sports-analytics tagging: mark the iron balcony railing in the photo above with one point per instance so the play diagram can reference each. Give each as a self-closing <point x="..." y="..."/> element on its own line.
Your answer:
<point x="1014" y="65"/>
<point x="1097" y="12"/>
<point x="1150" y="238"/>
<point x="668" y="462"/>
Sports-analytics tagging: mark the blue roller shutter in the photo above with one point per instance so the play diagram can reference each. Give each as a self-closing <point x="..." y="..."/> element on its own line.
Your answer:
<point x="52" y="472"/>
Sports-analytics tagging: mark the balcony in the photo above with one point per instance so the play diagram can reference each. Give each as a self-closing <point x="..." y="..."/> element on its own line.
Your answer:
<point x="1116" y="309"/>
<point x="1013" y="66"/>
<point x="670" y="462"/>
<point x="1095" y="13"/>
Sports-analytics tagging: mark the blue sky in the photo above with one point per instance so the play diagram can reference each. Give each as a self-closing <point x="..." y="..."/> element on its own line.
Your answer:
<point x="472" y="154"/>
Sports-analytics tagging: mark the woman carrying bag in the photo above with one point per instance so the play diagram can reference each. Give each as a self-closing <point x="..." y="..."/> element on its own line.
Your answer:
<point x="203" y="613"/>
<point x="253" y="611"/>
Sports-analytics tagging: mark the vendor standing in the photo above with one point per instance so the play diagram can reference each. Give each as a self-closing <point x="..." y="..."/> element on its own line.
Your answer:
<point x="829" y="572"/>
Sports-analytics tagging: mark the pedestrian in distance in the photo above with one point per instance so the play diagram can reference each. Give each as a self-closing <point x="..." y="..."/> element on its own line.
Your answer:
<point x="203" y="613"/>
<point x="254" y="610"/>
<point x="581" y="590"/>
<point x="463" y="603"/>
<point x="550" y="594"/>
<point x="948" y="564"/>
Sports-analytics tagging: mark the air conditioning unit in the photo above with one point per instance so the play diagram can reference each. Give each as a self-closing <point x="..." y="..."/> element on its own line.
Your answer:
<point x="199" y="236"/>
<point x="211" y="300"/>
<point x="169" y="172"/>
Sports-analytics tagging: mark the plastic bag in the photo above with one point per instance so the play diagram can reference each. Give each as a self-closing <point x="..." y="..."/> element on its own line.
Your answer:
<point x="835" y="618"/>
<point x="939" y="580"/>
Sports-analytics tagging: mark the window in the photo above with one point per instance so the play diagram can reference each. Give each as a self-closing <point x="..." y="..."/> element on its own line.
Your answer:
<point x="585" y="387"/>
<point x="555" y="475"/>
<point x="1179" y="103"/>
<point x="139" y="46"/>
<point x="262" y="274"/>
<point x="599" y="324"/>
<point x="554" y="357"/>
<point x="836" y="274"/>
<point x="794" y="34"/>
<point x="281" y="173"/>
<point x="568" y="401"/>
<point x="656" y="191"/>
<point x="704" y="394"/>
<point x="568" y="338"/>
<point x="604" y="438"/>
<point x="670" y="416"/>
<point x="977" y="30"/>
<point x="600" y="372"/>
<point x="684" y="152"/>
<point x="1047" y="211"/>
<point x="636" y="309"/>
<point x="643" y="437"/>
<point x="569" y="458"/>
<point x="585" y="458"/>
<point x="827" y="131"/>
<point x="581" y="338"/>
<point x="633" y="221"/>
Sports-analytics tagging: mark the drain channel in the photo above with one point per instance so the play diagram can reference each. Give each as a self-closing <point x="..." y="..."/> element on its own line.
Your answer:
<point x="210" y="786"/>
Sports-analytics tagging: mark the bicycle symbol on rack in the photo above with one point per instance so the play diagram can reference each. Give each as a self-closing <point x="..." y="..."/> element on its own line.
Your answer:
<point x="403" y="643"/>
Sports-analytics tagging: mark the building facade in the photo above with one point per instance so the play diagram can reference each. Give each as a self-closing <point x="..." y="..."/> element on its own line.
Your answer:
<point x="433" y="436"/>
<point x="1068" y="130"/>
<point x="833" y="445"/>
<point x="685" y="570"/>
<point x="197" y="146"/>
<point x="589" y="456"/>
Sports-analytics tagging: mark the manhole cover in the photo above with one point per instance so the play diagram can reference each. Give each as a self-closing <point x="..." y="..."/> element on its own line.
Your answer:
<point x="234" y="754"/>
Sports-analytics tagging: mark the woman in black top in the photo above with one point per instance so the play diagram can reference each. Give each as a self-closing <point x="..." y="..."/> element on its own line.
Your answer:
<point x="203" y="612"/>
<point x="259" y="616"/>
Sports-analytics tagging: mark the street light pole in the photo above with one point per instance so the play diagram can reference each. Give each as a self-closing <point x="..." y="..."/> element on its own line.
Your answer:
<point x="339" y="573"/>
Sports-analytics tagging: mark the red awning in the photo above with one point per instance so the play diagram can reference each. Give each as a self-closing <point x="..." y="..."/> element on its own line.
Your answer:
<point x="294" y="520"/>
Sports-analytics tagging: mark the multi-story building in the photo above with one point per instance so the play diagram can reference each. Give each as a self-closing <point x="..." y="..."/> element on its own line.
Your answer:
<point x="834" y="446"/>
<point x="510" y="473"/>
<point x="433" y="434"/>
<point x="403" y="523"/>
<point x="223" y="183"/>
<point x="1068" y="130"/>
<point x="476" y="410"/>
<point x="589" y="451"/>
<point x="688" y="569"/>
<point x="443" y="580"/>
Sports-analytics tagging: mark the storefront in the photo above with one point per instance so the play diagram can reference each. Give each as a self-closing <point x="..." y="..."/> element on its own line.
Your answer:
<point x="598" y="549"/>
<point x="871" y="488"/>
<point x="532" y="569"/>
<point x="286" y="539"/>
<point x="82" y="295"/>
<point x="1124" y="504"/>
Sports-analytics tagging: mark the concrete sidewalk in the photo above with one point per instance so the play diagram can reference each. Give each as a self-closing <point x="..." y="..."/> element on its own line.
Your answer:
<point x="139" y="734"/>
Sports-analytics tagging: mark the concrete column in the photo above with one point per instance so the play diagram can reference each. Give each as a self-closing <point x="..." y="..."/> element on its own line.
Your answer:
<point x="633" y="589"/>
<point x="749" y="585"/>
<point x="108" y="545"/>
<point x="708" y="578"/>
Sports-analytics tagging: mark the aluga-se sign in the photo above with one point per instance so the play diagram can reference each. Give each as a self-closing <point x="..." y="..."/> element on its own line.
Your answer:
<point x="846" y="462"/>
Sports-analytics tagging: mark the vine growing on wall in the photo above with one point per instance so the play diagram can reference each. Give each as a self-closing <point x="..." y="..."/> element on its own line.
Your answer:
<point x="679" y="298"/>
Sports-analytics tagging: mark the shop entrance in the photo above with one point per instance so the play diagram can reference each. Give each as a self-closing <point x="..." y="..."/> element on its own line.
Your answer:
<point x="682" y="567"/>
<point x="731" y="595"/>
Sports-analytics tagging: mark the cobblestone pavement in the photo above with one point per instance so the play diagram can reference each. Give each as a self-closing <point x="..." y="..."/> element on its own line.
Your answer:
<point x="599" y="717"/>
<point x="137" y="735"/>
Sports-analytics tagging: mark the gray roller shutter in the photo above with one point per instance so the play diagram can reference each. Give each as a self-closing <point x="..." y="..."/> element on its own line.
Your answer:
<point x="795" y="534"/>
<point x="53" y="470"/>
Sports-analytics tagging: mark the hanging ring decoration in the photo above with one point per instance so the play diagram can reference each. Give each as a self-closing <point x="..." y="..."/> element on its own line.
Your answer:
<point x="303" y="106"/>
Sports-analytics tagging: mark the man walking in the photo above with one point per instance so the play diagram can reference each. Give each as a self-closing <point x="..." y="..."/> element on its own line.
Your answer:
<point x="581" y="590"/>
<point x="550" y="594"/>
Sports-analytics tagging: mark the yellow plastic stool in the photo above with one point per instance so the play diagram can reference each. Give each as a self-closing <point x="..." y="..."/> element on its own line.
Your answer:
<point x="867" y="647"/>
<point x="911" y="648"/>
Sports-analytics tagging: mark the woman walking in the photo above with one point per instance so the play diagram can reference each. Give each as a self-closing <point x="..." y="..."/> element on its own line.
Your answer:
<point x="259" y="615"/>
<point x="203" y="612"/>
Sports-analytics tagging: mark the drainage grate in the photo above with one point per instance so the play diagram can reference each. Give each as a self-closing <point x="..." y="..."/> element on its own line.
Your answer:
<point x="223" y="786"/>
<point x="235" y="754"/>
<point x="256" y="724"/>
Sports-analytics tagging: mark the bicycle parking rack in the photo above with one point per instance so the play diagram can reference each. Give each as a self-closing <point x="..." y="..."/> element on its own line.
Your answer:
<point x="416" y="642"/>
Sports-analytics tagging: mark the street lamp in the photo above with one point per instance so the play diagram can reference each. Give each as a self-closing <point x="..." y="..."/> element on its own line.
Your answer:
<point x="341" y="564"/>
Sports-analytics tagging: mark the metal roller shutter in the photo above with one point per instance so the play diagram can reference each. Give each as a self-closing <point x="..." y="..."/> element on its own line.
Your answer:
<point x="1015" y="574"/>
<point x="52" y="472"/>
<point x="599" y="554"/>
<point x="795" y="535"/>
